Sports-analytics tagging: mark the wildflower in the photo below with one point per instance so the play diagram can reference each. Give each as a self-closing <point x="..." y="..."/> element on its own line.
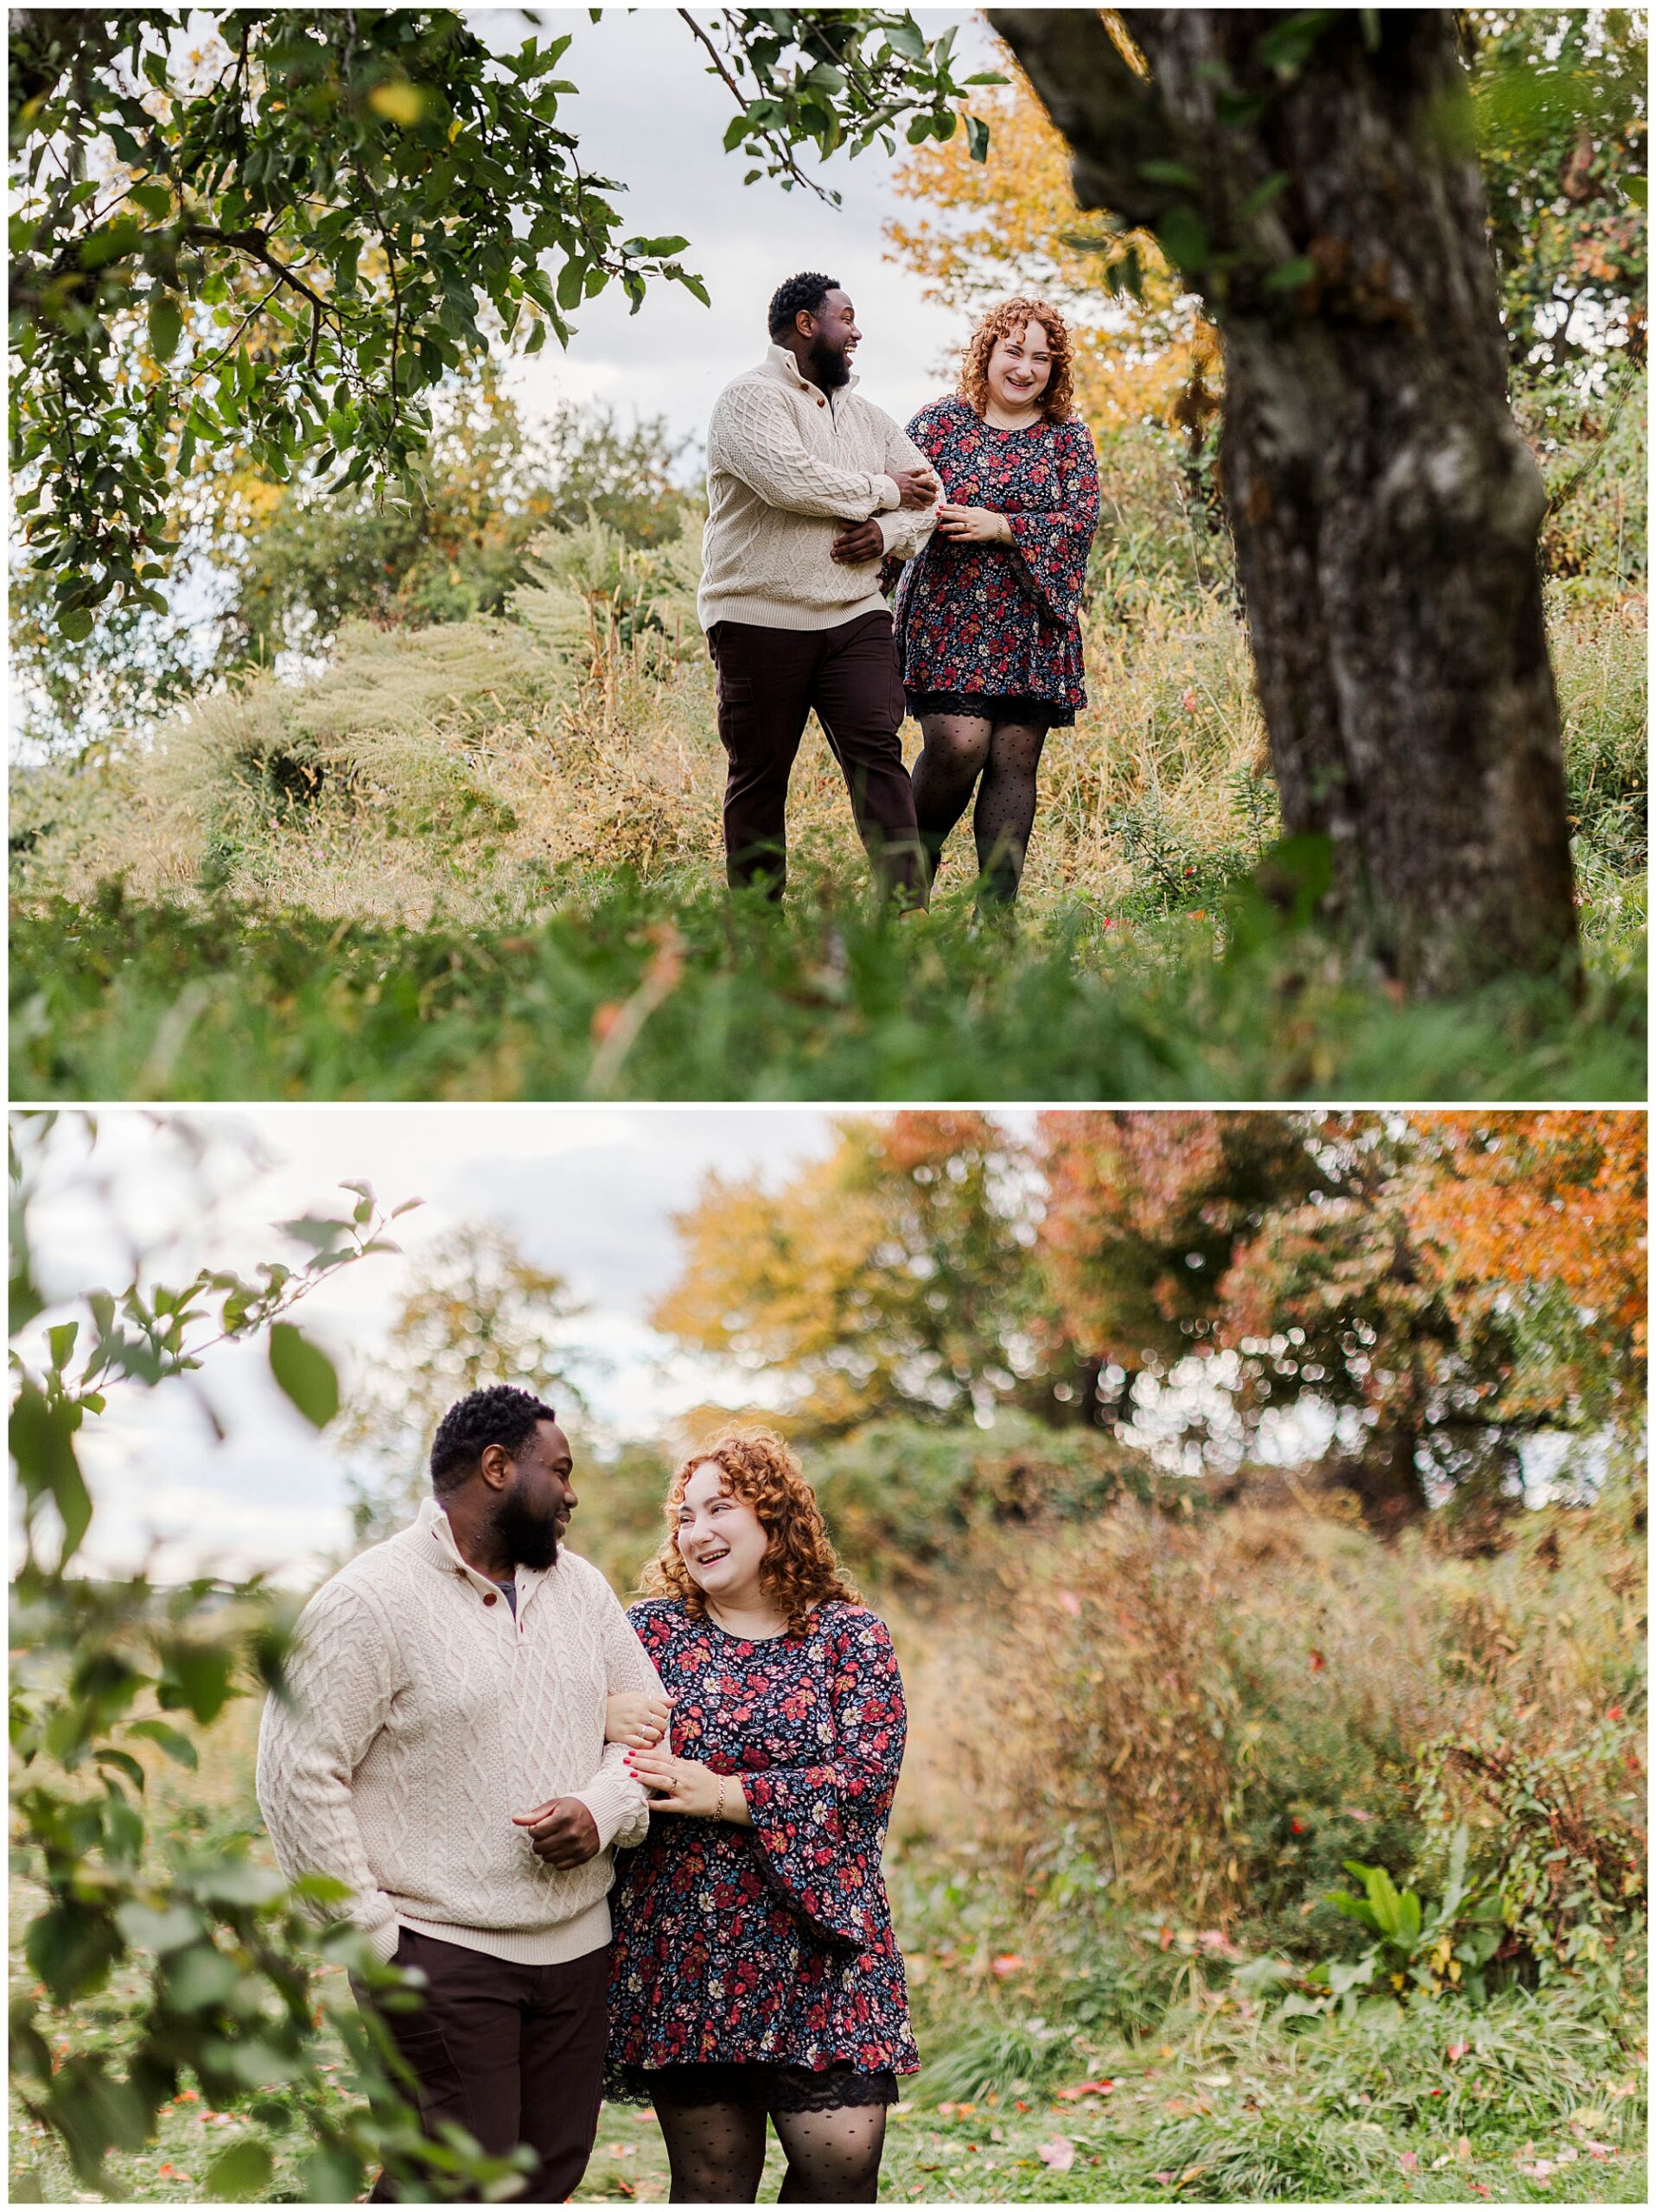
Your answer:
<point x="1190" y="701"/>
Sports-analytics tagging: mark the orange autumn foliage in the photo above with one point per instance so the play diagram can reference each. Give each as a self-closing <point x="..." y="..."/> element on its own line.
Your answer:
<point x="1012" y="223"/>
<point x="1514" y="1201"/>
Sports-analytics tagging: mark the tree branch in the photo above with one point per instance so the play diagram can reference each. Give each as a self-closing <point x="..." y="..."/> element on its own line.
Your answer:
<point x="780" y="146"/>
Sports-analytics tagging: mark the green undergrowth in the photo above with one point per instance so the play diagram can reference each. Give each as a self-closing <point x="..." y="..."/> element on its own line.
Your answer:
<point x="674" y="990"/>
<point x="1536" y="2097"/>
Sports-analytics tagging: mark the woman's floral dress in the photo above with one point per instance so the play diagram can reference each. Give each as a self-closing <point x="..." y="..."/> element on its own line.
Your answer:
<point x="1000" y="622"/>
<point x="769" y="1945"/>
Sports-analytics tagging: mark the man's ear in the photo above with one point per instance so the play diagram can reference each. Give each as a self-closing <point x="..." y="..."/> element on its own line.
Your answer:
<point x="495" y="1464"/>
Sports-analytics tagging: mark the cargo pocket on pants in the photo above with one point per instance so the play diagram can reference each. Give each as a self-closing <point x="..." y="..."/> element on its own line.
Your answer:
<point x="737" y="712"/>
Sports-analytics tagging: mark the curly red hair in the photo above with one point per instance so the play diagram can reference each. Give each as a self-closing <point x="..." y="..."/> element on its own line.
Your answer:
<point x="799" y="1569"/>
<point x="999" y="323"/>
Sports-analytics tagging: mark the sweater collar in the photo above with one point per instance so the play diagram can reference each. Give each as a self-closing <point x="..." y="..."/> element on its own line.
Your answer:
<point x="435" y="1540"/>
<point x="779" y="362"/>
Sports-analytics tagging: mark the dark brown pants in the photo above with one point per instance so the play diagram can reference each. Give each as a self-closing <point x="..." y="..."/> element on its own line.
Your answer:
<point x="515" y="2054"/>
<point x="770" y="681"/>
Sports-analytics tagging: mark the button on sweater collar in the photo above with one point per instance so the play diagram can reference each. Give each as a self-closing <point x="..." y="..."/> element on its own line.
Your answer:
<point x="436" y="1539"/>
<point x="779" y="362"/>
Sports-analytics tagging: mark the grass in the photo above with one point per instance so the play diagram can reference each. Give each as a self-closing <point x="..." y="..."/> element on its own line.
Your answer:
<point x="629" y="990"/>
<point x="1087" y="2043"/>
<point x="1546" y="2104"/>
<point x="482" y="861"/>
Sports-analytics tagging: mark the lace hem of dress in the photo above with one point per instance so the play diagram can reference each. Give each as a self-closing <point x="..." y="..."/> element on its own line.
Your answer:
<point x="777" y="2089"/>
<point x="992" y="706"/>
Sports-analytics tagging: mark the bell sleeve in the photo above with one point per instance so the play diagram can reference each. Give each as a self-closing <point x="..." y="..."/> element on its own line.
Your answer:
<point x="819" y="1829"/>
<point x="1052" y="545"/>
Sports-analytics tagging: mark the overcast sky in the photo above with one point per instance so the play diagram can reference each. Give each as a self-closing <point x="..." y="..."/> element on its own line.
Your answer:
<point x="649" y="115"/>
<point x="588" y="1193"/>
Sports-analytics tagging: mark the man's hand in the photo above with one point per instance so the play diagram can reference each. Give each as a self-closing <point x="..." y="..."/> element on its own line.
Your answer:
<point x="917" y="487"/>
<point x="859" y="541"/>
<point x="563" y="1832"/>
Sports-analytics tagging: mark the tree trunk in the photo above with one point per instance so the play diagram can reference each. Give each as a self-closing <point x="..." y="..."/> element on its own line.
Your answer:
<point x="1315" y="178"/>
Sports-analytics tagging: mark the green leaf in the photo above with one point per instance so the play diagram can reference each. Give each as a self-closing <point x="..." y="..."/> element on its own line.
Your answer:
<point x="167" y="326"/>
<point x="151" y="1928"/>
<point x="43" y="1445"/>
<point x="329" y="2175"/>
<point x="76" y="624"/>
<point x="123" y="1762"/>
<point x="906" y="38"/>
<point x="657" y="248"/>
<point x="304" y="1373"/>
<point x="1409" y="1919"/>
<point x="195" y="1675"/>
<point x="240" y="2173"/>
<point x="155" y="199"/>
<point x="1637" y="189"/>
<point x="1184" y="239"/>
<point x="1290" y="276"/>
<point x="72" y="1949"/>
<point x="978" y="138"/>
<point x="200" y="1979"/>
<point x="238" y="1882"/>
<point x="176" y="1747"/>
<point x="1173" y="173"/>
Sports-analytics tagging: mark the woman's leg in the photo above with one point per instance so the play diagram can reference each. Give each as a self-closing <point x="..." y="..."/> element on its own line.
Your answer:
<point x="954" y="751"/>
<point x="1006" y="808"/>
<point x="716" y="2152"/>
<point x="833" y="2157"/>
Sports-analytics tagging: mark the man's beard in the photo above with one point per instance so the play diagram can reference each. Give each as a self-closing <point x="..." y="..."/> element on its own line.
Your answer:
<point x="530" y="1536"/>
<point x="831" y="368"/>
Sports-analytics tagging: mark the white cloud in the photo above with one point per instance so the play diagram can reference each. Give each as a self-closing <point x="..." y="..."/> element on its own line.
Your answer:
<point x="650" y="116"/>
<point x="588" y="1193"/>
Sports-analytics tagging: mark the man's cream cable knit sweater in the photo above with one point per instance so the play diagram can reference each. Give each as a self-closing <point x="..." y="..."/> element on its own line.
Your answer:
<point x="423" y="1717"/>
<point x="786" y="470"/>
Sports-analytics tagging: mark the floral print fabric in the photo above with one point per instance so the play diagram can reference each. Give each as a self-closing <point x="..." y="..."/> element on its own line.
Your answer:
<point x="773" y="1943"/>
<point x="1001" y="620"/>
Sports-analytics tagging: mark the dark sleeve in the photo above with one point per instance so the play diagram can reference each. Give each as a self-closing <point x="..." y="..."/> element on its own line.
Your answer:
<point x="929" y="430"/>
<point x="1051" y="547"/>
<point x="819" y="1829"/>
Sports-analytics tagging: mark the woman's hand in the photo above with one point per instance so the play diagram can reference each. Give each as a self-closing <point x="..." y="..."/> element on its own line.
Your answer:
<point x="973" y="526"/>
<point x="637" y="1717"/>
<point x="688" y="1786"/>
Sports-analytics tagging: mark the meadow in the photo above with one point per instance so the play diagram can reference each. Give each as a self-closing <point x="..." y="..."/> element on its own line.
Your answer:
<point x="481" y="859"/>
<point x="1145" y="1744"/>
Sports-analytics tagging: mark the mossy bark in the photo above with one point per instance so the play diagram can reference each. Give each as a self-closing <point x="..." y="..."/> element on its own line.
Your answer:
<point x="1317" y="181"/>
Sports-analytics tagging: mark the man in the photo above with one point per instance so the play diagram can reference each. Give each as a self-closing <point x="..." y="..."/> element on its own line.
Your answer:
<point x="443" y="1752"/>
<point x="792" y="604"/>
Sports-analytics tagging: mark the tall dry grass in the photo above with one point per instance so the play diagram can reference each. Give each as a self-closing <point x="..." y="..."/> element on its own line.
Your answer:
<point x="1215" y="1713"/>
<point x="463" y="766"/>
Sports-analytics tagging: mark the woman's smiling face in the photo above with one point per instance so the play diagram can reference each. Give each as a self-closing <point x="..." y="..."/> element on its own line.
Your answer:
<point x="721" y="1539"/>
<point x="1020" y="367"/>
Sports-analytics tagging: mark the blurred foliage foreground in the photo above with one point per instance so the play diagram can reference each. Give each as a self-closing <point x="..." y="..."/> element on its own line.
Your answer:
<point x="1241" y="1852"/>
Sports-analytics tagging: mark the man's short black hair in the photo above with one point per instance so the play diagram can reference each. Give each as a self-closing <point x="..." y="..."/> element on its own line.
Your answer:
<point x="808" y="291"/>
<point x="502" y="1415"/>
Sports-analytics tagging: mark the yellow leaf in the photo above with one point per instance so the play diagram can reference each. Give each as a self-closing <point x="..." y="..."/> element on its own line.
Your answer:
<point x="402" y="104"/>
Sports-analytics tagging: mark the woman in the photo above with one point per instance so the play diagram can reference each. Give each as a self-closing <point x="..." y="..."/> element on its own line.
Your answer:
<point x="986" y="616"/>
<point x="754" y="1968"/>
